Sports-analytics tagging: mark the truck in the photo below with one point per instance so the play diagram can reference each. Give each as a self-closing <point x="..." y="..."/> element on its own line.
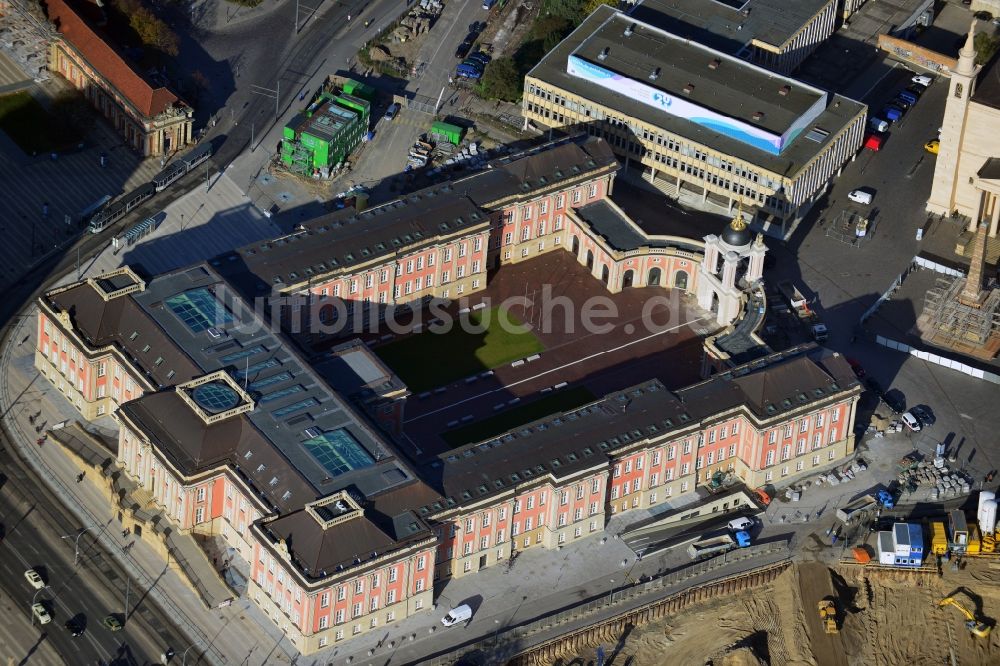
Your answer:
<point x="717" y="545"/>
<point x="793" y="295"/>
<point x="854" y="509"/>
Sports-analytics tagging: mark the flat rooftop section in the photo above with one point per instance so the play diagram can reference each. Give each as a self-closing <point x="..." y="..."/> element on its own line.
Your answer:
<point x="729" y="25"/>
<point x="611" y="223"/>
<point x="326" y="122"/>
<point x="732" y="88"/>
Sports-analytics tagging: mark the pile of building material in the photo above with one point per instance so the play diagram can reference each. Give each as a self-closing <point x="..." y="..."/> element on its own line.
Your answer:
<point x="418" y="21"/>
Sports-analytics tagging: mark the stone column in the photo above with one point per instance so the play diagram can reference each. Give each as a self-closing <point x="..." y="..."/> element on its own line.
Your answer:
<point x="995" y="217"/>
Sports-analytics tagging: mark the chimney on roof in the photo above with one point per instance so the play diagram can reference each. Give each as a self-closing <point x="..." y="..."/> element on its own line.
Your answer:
<point x="603" y="55"/>
<point x="784" y="90"/>
<point x="688" y="88"/>
<point x="714" y="63"/>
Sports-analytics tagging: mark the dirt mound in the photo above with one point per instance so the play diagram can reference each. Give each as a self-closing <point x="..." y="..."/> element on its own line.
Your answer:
<point x="739" y="657"/>
<point x="884" y="618"/>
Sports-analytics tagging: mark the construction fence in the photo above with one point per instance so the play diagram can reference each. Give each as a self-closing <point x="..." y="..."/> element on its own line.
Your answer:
<point x="513" y="645"/>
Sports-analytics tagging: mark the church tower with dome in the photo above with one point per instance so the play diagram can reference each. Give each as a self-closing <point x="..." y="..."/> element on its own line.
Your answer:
<point x="733" y="262"/>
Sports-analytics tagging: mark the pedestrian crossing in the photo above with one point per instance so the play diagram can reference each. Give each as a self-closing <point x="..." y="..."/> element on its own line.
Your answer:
<point x="41" y="193"/>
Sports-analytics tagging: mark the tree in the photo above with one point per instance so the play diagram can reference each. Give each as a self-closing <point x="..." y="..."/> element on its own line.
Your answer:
<point x="151" y="31"/>
<point x="501" y="80"/>
<point x="590" y="5"/>
<point x="986" y="46"/>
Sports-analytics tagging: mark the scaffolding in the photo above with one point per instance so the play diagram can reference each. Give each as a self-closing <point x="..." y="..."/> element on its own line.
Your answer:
<point x="957" y="324"/>
<point x="850" y="228"/>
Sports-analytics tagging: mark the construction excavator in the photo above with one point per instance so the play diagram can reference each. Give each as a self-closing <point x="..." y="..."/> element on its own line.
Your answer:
<point x="980" y="629"/>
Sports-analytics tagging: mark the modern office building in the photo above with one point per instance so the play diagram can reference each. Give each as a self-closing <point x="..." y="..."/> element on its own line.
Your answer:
<point x="774" y="34"/>
<point x="702" y="125"/>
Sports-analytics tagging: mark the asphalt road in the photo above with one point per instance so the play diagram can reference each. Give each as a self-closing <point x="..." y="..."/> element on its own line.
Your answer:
<point x="33" y="523"/>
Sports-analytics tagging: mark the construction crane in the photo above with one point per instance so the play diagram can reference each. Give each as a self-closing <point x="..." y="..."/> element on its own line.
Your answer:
<point x="980" y="629"/>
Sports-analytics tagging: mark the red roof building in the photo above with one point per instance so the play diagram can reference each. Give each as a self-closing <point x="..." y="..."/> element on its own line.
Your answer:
<point x="153" y="120"/>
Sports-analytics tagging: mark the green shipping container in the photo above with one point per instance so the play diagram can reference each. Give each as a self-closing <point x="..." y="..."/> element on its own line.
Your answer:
<point x="358" y="89"/>
<point x="448" y="132"/>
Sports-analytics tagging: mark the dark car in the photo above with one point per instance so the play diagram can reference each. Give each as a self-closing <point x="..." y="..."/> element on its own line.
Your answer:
<point x="75" y="628"/>
<point x="901" y="103"/>
<point x="923" y="414"/>
<point x="859" y="371"/>
<point x="481" y="58"/>
<point x="463" y="49"/>
<point x="915" y="90"/>
<point x="477" y="27"/>
<point x="895" y="400"/>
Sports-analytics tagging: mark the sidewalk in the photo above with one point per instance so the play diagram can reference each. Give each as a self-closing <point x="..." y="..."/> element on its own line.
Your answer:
<point x="237" y="634"/>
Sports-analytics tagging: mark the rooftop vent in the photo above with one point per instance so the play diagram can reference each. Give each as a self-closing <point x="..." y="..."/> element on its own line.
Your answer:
<point x="655" y="74"/>
<point x="714" y="63"/>
<point x="758" y="115"/>
<point x="604" y="53"/>
<point x="688" y="88"/>
<point x="784" y="90"/>
<point x="629" y="30"/>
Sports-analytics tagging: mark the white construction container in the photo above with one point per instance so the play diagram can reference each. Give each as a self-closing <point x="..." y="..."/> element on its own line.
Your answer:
<point x="988" y="516"/>
<point x="984" y="496"/>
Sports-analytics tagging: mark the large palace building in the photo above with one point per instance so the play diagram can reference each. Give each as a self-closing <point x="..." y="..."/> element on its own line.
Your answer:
<point x="228" y="430"/>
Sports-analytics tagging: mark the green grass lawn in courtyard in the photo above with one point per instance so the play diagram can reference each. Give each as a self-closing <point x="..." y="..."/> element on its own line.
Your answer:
<point x="31" y="127"/>
<point x="429" y="360"/>
<point x="493" y="426"/>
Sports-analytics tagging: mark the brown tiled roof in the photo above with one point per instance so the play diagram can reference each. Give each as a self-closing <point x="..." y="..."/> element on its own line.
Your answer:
<point x="194" y="447"/>
<point x="387" y="523"/>
<point x="147" y="100"/>
<point x="121" y="322"/>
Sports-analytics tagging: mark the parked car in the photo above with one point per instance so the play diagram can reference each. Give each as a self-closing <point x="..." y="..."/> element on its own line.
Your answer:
<point x="922" y="80"/>
<point x="34" y="579"/>
<point x="895" y="400"/>
<point x="923" y="414"/>
<point x="740" y="524"/>
<point x="902" y="103"/>
<point x="480" y="57"/>
<point x="933" y="146"/>
<point x="907" y="96"/>
<point x="859" y="371"/>
<point x="463" y="49"/>
<point x="391" y="112"/>
<point x="911" y="421"/>
<point x="915" y="90"/>
<point x="860" y="196"/>
<point x="458" y="614"/>
<point x="878" y="124"/>
<point x="892" y="113"/>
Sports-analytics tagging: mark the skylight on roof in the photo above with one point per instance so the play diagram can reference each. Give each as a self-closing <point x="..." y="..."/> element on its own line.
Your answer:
<point x="199" y="309"/>
<point x="338" y="452"/>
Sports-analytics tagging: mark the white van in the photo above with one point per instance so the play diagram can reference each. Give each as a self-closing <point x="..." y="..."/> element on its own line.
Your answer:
<point x="922" y="80"/>
<point x="860" y="196"/>
<point x="879" y="125"/>
<point x="740" y="524"/>
<point x="461" y="613"/>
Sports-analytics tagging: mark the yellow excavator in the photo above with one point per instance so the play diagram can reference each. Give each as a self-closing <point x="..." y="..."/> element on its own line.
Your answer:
<point x="980" y="629"/>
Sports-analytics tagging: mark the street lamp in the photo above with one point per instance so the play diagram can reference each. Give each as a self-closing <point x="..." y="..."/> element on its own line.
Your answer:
<point x="33" y="599"/>
<point x="184" y="655"/>
<point x="76" y="543"/>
